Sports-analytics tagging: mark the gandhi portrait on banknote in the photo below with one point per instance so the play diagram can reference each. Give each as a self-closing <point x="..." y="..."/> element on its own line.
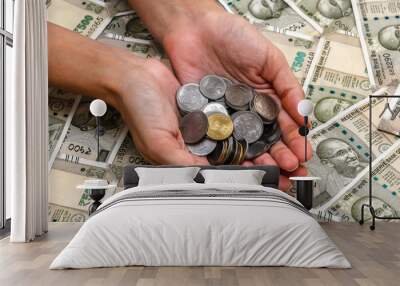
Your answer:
<point x="266" y="9"/>
<point x="334" y="9"/>
<point x="342" y="164"/>
<point x="389" y="37"/>
<point x="339" y="155"/>
<point x="328" y="107"/>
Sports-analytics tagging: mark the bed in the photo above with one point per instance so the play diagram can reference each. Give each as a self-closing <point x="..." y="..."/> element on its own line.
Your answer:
<point x="201" y="224"/>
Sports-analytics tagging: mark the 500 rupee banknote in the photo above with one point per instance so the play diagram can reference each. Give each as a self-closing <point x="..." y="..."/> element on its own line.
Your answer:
<point x="341" y="147"/>
<point x="337" y="78"/>
<point x="327" y="15"/>
<point x="347" y="204"/>
<point x="270" y="13"/>
<point x="378" y="22"/>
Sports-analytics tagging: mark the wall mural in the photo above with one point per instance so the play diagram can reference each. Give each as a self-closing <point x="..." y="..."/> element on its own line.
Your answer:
<point x="235" y="123"/>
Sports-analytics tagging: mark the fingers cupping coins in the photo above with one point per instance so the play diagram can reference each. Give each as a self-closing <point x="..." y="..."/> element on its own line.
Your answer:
<point x="227" y="122"/>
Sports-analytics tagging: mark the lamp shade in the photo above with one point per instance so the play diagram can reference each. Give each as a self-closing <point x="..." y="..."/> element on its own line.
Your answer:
<point x="98" y="108"/>
<point x="305" y="107"/>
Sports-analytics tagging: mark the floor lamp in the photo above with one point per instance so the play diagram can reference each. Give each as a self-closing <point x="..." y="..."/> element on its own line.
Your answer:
<point x="369" y="205"/>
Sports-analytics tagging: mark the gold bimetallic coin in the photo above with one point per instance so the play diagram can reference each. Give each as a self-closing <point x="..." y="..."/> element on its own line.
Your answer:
<point x="220" y="126"/>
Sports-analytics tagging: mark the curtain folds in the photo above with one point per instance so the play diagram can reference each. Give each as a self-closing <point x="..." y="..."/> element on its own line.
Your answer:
<point x="27" y="123"/>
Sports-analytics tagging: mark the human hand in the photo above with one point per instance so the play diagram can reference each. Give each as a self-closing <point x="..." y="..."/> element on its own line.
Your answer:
<point x="148" y="107"/>
<point x="224" y="44"/>
<point x="142" y="90"/>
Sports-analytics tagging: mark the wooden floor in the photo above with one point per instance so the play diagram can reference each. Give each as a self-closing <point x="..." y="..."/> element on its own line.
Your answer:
<point x="375" y="257"/>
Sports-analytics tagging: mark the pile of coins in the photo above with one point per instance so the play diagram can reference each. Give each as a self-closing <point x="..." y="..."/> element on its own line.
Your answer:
<point x="227" y="122"/>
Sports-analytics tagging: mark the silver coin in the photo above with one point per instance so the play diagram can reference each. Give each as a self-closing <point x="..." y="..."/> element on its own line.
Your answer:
<point x="263" y="144"/>
<point x="212" y="87"/>
<point x="189" y="98"/>
<point x="239" y="96"/>
<point x="256" y="149"/>
<point x="215" y="107"/>
<point x="203" y="148"/>
<point x="247" y="125"/>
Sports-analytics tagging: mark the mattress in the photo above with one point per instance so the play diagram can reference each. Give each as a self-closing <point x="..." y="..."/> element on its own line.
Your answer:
<point x="201" y="225"/>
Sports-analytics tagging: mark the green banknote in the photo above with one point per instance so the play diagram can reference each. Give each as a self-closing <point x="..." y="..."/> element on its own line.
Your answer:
<point x="67" y="173"/>
<point x="337" y="78"/>
<point x="81" y="139"/>
<point x="62" y="107"/>
<point x="270" y="13"/>
<point x="378" y="22"/>
<point x="88" y="18"/>
<point x="128" y="26"/>
<point x="385" y="190"/>
<point x="299" y="53"/>
<point x="341" y="147"/>
<point x="327" y="15"/>
<point x="127" y="155"/>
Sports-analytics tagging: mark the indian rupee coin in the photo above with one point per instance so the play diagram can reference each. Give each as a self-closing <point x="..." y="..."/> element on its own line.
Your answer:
<point x="220" y="126"/>
<point x="247" y="125"/>
<point x="189" y="98"/>
<point x="265" y="106"/>
<point x="238" y="96"/>
<point x="219" y="154"/>
<point x="215" y="107"/>
<point x="202" y="148"/>
<point x="193" y="127"/>
<point x="212" y="87"/>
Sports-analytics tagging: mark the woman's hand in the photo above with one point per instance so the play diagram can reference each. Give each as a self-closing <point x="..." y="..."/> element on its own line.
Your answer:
<point x="142" y="90"/>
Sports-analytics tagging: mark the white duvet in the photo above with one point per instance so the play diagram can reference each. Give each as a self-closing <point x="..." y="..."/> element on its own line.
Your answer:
<point x="266" y="229"/>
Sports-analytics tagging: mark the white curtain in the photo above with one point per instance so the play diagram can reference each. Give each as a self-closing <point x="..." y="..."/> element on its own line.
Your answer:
<point x="27" y="123"/>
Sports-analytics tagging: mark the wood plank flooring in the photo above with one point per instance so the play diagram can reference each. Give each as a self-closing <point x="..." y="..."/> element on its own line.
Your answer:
<point x="375" y="257"/>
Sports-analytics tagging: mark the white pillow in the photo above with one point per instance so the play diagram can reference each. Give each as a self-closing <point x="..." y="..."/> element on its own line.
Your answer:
<point x="163" y="176"/>
<point x="247" y="177"/>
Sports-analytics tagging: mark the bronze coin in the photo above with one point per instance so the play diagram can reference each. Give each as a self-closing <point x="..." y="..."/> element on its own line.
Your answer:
<point x="238" y="96"/>
<point x="265" y="106"/>
<point x="193" y="127"/>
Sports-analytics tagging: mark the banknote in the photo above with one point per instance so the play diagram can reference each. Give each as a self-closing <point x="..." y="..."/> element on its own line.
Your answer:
<point x="81" y="139"/>
<point x="62" y="106"/>
<point x="88" y="18"/>
<point x="385" y="190"/>
<point x="141" y="48"/>
<point x="327" y="15"/>
<point x="119" y="7"/>
<point x="67" y="174"/>
<point x="59" y="213"/>
<point x="341" y="148"/>
<point x="127" y="155"/>
<point x="129" y="32"/>
<point x="273" y="13"/>
<point x="378" y="22"/>
<point x="298" y="52"/>
<point x="128" y="26"/>
<point x="337" y="77"/>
